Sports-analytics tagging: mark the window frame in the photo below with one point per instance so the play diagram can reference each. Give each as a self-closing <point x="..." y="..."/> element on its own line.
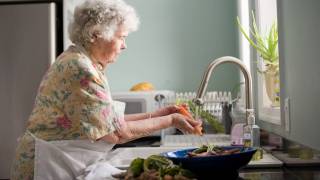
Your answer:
<point x="266" y="115"/>
<point x="266" y="112"/>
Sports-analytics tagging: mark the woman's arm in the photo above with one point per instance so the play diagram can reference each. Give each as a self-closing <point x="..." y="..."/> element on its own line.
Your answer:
<point x="138" y="116"/>
<point x="136" y="129"/>
<point x="160" y="112"/>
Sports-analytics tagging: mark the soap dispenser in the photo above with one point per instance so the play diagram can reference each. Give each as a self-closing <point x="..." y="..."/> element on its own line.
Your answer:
<point x="251" y="135"/>
<point x="251" y="131"/>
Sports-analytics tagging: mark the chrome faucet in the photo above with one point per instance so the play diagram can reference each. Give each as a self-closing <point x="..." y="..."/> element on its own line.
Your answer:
<point x="223" y="60"/>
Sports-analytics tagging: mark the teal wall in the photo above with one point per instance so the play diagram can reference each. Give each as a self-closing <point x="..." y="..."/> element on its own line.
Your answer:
<point x="176" y="41"/>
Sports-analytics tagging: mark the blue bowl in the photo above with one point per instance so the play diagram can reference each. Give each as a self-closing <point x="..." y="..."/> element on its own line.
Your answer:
<point x="213" y="166"/>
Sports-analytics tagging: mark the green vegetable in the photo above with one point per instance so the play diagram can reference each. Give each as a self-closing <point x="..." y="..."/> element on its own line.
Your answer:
<point x="172" y="171"/>
<point x="136" y="166"/>
<point x="207" y="116"/>
<point x="202" y="149"/>
<point x="156" y="162"/>
<point x="178" y="171"/>
<point x="186" y="173"/>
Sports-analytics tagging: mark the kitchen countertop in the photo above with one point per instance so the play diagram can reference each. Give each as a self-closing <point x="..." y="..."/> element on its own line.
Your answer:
<point x="123" y="156"/>
<point x="286" y="172"/>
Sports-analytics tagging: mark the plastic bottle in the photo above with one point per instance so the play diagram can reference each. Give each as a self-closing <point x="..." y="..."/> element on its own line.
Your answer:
<point x="255" y="130"/>
<point x="251" y="135"/>
<point x="247" y="133"/>
<point x="251" y="131"/>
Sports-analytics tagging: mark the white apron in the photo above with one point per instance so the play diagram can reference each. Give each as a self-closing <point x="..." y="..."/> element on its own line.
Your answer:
<point x="73" y="159"/>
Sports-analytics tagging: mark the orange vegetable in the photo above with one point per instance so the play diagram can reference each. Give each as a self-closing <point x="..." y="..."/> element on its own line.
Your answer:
<point x="183" y="109"/>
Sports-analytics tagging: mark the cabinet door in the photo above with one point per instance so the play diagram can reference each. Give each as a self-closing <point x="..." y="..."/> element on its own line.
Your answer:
<point x="27" y="48"/>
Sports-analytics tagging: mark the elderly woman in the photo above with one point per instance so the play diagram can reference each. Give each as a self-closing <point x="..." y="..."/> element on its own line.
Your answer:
<point x="74" y="119"/>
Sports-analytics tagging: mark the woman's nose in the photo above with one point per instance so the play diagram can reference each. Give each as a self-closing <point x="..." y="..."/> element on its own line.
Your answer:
<point x="123" y="46"/>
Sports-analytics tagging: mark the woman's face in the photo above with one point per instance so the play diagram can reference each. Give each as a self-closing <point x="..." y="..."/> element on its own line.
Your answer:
<point x="105" y="51"/>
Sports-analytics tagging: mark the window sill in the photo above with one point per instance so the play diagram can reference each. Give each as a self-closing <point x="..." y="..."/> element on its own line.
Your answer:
<point x="270" y="114"/>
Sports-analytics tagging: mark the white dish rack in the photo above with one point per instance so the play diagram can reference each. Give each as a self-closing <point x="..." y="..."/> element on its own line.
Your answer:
<point x="209" y="97"/>
<point x="212" y="100"/>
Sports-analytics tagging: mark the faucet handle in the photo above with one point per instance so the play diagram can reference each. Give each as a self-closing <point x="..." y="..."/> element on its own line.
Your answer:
<point x="198" y="101"/>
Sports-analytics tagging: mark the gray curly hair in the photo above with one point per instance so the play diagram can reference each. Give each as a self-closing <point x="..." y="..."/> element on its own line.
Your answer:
<point x="101" y="18"/>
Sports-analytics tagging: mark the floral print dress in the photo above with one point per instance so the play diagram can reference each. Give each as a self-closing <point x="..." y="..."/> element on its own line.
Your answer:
<point x="73" y="102"/>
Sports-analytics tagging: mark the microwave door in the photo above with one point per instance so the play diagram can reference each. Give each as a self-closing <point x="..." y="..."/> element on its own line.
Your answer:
<point x="133" y="107"/>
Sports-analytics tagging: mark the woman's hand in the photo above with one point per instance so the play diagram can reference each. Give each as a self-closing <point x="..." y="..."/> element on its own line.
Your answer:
<point x="185" y="124"/>
<point x="184" y="110"/>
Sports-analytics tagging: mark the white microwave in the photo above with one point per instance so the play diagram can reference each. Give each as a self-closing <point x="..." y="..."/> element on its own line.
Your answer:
<point x="144" y="101"/>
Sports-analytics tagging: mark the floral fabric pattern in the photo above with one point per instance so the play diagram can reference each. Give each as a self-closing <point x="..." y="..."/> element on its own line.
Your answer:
<point x="73" y="102"/>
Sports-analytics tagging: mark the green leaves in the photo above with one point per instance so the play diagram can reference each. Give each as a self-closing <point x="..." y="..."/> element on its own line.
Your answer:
<point x="206" y="116"/>
<point x="156" y="166"/>
<point x="136" y="166"/>
<point x="266" y="46"/>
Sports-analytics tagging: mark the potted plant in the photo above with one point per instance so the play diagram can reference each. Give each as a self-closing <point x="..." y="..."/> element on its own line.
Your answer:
<point x="267" y="48"/>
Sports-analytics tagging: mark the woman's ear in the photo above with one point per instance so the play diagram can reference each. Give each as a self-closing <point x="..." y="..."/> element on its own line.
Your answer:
<point x="94" y="37"/>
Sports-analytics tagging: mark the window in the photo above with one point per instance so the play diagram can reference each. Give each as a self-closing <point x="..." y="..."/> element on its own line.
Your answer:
<point x="267" y="84"/>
